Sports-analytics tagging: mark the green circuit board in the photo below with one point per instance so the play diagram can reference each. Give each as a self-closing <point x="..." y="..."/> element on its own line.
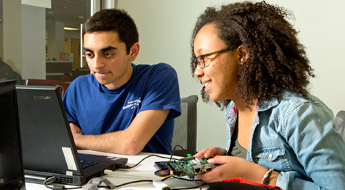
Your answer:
<point x="188" y="166"/>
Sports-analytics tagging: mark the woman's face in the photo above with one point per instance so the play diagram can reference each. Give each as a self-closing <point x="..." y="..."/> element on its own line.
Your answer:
<point x="219" y="75"/>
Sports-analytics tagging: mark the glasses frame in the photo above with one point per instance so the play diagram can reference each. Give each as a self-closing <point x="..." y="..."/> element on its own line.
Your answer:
<point x="200" y="59"/>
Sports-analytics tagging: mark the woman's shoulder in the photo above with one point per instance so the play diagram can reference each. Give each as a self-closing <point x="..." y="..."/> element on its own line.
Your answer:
<point x="295" y="107"/>
<point x="293" y="101"/>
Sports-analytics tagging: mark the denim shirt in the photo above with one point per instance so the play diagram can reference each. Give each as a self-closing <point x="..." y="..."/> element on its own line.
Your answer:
<point x="296" y="137"/>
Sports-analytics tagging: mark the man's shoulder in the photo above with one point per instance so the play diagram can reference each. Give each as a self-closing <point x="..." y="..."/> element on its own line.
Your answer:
<point x="163" y="66"/>
<point x="158" y="66"/>
<point x="82" y="80"/>
<point x="161" y="71"/>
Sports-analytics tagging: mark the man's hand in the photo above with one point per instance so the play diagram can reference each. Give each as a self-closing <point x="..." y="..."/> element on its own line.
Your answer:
<point x="129" y="141"/>
<point x="76" y="132"/>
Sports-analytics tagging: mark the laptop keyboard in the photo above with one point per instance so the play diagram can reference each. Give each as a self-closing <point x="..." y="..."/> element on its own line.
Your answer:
<point x="87" y="163"/>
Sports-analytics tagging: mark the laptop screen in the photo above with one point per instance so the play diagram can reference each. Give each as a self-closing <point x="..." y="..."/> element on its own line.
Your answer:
<point x="11" y="171"/>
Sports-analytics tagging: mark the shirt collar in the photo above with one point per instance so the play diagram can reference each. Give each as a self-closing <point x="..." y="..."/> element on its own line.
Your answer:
<point x="267" y="104"/>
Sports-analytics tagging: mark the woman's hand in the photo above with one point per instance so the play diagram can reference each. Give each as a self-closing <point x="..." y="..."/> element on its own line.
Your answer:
<point x="230" y="167"/>
<point x="210" y="152"/>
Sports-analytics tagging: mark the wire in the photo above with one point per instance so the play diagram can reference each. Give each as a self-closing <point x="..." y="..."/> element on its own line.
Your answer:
<point x="135" y="165"/>
<point x="200" y="186"/>
<point x="195" y="180"/>
<point x="167" y="178"/>
<point x="51" y="180"/>
<point x="178" y="146"/>
<point x="193" y="187"/>
<point x="170" y="158"/>
<point x="138" y="181"/>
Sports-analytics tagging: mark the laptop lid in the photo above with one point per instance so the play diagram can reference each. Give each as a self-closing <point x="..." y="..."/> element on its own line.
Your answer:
<point x="48" y="145"/>
<point x="11" y="170"/>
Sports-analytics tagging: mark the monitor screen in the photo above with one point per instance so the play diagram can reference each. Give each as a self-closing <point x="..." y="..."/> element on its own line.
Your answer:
<point x="11" y="170"/>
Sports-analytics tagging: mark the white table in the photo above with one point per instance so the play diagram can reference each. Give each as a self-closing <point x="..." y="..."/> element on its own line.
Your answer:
<point x="144" y="171"/>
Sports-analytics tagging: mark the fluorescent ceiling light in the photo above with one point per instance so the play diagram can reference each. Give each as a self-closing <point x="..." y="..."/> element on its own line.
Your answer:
<point x="70" y="28"/>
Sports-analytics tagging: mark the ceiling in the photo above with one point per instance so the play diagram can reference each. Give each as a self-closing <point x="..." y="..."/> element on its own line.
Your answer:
<point x="71" y="12"/>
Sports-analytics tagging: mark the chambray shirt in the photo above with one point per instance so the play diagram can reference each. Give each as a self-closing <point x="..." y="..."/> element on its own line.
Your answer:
<point x="296" y="137"/>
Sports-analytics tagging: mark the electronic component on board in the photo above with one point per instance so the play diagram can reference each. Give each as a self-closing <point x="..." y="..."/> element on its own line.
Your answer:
<point x="188" y="166"/>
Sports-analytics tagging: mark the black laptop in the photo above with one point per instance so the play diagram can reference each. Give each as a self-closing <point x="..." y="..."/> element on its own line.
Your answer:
<point x="48" y="145"/>
<point x="11" y="170"/>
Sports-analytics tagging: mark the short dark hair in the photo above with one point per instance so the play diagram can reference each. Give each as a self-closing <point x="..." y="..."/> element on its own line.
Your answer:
<point x="113" y="20"/>
<point x="277" y="61"/>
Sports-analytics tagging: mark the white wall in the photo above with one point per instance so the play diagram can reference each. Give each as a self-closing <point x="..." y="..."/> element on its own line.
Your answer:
<point x="165" y="28"/>
<point x="33" y="42"/>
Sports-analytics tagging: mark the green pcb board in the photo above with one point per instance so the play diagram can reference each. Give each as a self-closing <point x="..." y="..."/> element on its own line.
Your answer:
<point x="189" y="166"/>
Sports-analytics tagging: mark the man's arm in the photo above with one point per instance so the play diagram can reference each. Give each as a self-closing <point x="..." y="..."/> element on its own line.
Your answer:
<point x="129" y="141"/>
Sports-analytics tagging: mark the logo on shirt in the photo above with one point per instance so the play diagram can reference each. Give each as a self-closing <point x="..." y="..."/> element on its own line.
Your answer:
<point x="132" y="104"/>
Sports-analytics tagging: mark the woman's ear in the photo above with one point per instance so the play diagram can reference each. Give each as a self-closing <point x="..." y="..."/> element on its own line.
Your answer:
<point x="134" y="51"/>
<point x="243" y="53"/>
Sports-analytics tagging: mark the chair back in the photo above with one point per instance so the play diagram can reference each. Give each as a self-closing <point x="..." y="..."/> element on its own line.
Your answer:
<point x="340" y="122"/>
<point x="60" y="83"/>
<point x="184" y="138"/>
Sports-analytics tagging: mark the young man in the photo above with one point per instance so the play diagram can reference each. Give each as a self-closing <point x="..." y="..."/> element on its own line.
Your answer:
<point x="121" y="107"/>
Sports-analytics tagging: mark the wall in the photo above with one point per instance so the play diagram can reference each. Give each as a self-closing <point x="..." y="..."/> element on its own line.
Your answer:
<point x="165" y="29"/>
<point x="24" y="38"/>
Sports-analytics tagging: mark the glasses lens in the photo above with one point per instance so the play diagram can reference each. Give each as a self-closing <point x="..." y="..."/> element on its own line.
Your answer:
<point x="200" y="61"/>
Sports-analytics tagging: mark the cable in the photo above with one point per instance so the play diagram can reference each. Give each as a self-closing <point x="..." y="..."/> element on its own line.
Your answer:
<point x="51" y="180"/>
<point x="135" y="165"/>
<point x="170" y="158"/>
<point x="138" y="181"/>
<point x="193" y="187"/>
<point x="178" y="146"/>
<point x="167" y="178"/>
<point x="200" y="186"/>
<point x="160" y="185"/>
<point x="186" y="179"/>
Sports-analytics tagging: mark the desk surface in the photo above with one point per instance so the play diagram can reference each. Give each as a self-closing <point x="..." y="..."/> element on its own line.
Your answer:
<point x="144" y="171"/>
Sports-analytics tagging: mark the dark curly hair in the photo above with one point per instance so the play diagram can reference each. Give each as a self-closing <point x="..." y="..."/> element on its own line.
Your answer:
<point x="277" y="62"/>
<point x="114" y="20"/>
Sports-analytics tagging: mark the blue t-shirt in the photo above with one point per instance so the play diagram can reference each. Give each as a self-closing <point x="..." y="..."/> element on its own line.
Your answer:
<point x="97" y="110"/>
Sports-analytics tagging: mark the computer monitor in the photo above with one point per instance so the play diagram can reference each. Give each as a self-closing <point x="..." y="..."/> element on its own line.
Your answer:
<point x="11" y="170"/>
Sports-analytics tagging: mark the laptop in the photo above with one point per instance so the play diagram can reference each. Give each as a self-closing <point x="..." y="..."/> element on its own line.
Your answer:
<point x="48" y="145"/>
<point x="11" y="169"/>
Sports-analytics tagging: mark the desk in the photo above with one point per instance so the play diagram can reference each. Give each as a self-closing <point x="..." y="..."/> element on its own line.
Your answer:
<point x="144" y="171"/>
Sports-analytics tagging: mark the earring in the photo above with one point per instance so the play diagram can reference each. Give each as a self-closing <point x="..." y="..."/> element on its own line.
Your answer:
<point x="243" y="60"/>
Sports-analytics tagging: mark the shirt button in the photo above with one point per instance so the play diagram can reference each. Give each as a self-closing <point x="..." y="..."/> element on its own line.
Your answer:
<point x="270" y="155"/>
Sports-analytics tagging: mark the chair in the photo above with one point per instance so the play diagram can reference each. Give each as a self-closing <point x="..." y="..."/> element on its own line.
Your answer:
<point x="60" y="83"/>
<point x="340" y="122"/>
<point x="184" y="138"/>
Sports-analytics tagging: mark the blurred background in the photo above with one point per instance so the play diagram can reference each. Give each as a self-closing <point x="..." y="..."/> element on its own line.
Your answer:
<point x="40" y="39"/>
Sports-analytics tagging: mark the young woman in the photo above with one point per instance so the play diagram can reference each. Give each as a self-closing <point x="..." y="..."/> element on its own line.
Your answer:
<point x="249" y="59"/>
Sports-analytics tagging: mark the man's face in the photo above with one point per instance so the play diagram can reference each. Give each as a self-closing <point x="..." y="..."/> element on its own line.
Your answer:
<point x="107" y="58"/>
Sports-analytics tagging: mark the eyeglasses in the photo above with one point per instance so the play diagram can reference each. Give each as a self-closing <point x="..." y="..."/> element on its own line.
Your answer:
<point x="200" y="60"/>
